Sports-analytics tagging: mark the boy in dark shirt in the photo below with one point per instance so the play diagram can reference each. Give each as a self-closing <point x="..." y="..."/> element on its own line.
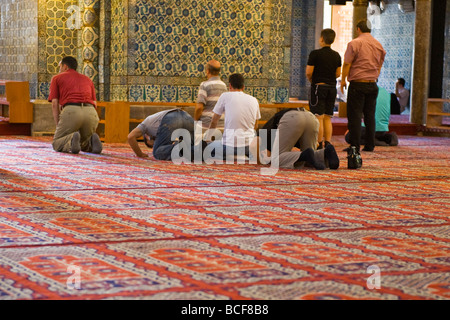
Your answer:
<point x="324" y="66"/>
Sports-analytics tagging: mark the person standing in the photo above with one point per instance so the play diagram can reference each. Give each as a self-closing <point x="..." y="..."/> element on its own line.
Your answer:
<point x="323" y="67"/>
<point x="74" y="110"/>
<point x="363" y="60"/>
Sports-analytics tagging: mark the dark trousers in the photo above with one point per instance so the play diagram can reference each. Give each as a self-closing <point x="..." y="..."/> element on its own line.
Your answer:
<point x="362" y="101"/>
<point x="395" y="105"/>
<point x="381" y="138"/>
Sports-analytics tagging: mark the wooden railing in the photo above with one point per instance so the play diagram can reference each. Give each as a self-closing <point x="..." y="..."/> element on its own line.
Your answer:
<point x="116" y="118"/>
<point x="15" y="102"/>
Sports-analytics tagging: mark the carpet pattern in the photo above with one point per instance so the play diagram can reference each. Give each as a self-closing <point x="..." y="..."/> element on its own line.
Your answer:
<point x="120" y="227"/>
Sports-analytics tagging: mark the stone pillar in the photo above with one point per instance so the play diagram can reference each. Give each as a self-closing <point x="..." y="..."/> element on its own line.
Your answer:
<point x="104" y="50"/>
<point x="90" y="40"/>
<point x="359" y="13"/>
<point x="421" y="63"/>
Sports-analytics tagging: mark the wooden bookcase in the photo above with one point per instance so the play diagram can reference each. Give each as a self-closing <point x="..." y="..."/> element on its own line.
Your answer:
<point x="436" y="114"/>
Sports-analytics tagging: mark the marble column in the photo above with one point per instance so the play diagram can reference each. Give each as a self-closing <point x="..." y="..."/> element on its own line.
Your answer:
<point x="359" y="13"/>
<point x="90" y="40"/>
<point x="421" y="63"/>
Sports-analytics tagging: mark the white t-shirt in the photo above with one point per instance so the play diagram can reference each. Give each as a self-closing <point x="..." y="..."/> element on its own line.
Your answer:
<point x="151" y="124"/>
<point x="404" y="96"/>
<point x="241" y="112"/>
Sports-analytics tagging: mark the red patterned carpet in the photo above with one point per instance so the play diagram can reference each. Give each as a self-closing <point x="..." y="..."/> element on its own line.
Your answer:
<point x="117" y="227"/>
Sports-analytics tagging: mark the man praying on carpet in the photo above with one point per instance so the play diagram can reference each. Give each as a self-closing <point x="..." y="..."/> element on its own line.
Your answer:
<point x="295" y="128"/>
<point x="74" y="110"/>
<point x="157" y="130"/>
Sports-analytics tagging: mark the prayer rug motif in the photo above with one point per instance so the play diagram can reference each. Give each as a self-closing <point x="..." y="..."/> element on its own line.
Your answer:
<point x="112" y="226"/>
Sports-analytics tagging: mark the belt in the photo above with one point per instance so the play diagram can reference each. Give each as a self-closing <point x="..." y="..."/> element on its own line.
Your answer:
<point x="365" y="81"/>
<point x="81" y="104"/>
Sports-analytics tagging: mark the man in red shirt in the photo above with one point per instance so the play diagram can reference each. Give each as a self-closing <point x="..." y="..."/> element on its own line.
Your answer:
<point x="363" y="60"/>
<point x="74" y="110"/>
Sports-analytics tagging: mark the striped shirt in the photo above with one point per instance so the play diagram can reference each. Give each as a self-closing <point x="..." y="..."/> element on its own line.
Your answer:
<point x="208" y="94"/>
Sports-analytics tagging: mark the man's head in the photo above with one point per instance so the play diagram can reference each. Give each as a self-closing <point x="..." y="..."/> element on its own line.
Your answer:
<point x="363" y="26"/>
<point x="401" y="81"/>
<point x="236" y="81"/>
<point x="327" y="37"/>
<point x="68" y="63"/>
<point x="148" y="140"/>
<point x="212" y="68"/>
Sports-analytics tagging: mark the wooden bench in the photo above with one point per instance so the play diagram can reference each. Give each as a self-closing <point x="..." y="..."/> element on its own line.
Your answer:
<point x="115" y="116"/>
<point x="436" y="114"/>
<point x="15" y="102"/>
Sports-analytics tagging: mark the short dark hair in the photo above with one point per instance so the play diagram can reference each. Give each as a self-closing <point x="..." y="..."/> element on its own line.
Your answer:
<point x="213" y="70"/>
<point x="328" y="36"/>
<point x="147" y="141"/>
<point x="236" y="80"/>
<point x="364" y="26"/>
<point x="71" y="62"/>
<point x="401" y="81"/>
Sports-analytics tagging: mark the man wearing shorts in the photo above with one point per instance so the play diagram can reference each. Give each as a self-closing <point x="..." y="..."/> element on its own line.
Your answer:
<point x="324" y="66"/>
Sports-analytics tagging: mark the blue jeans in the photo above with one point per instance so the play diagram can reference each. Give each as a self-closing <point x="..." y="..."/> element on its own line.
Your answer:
<point x="221" y="149"/>
<point x="177" y="119"/>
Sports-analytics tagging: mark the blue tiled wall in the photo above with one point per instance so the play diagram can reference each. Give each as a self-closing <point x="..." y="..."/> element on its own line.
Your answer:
<point x="303" y="41"/>
<point x="169" y="43"/>
<point x="397" y="37"/>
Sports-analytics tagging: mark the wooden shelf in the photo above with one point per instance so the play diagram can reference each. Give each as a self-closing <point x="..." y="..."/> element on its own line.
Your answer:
<point x="17" y="101"/>
<point x="436" y="114"/>
<point x="443" y="114"/>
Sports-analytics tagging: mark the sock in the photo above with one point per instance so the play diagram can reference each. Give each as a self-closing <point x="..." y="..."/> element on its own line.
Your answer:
<point x="308" y="157"/>
<point x="331" y="156"/>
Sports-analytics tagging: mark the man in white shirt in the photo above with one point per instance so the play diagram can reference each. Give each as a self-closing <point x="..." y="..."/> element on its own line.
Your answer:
<point x="402" y="94"/>
<point x="241" y="113"/>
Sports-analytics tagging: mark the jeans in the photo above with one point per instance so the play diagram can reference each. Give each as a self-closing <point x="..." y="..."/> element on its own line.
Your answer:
<point x="221" y="150"/>
<point x="362" y="100"/>
<point x="177" y="119"/>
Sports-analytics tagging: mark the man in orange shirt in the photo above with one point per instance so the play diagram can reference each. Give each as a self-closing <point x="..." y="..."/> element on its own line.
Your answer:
<point x="74" y="110"/>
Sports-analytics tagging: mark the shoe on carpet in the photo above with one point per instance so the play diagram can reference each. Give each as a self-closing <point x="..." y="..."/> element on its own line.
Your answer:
<point x="96" y="144"/>
<point x="320" y="146"/>
<point x="331" y="156"/>
<point x="368" y="149"/>
<point x="75" y="143"/>
<point x="308" y="157"/>
<point x="354" y="160"/>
